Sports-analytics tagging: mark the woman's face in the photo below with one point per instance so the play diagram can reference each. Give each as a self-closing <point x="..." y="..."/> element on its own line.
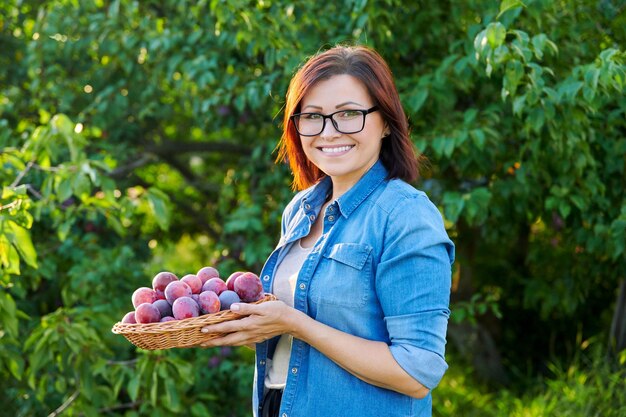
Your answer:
<point x="343" y="157"/>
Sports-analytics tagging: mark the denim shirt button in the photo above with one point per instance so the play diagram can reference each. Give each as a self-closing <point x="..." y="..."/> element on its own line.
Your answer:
<point x="312" y="217"/>
<point x="331" y="218"/>
<point x="302" y="286"/>
<point x="294" y="370"/>
<point x="284" y="415"/>
<point x="307" y="206"/>
<point x="261" y="362"/>
<point x="331" y="209"/>
<point x="266" y="278"/>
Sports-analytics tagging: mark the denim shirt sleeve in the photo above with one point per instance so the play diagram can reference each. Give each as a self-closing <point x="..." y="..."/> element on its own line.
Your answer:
<point x="413" y="282"/>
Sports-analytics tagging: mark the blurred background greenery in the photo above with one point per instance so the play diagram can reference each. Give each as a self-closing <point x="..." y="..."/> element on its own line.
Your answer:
<point x="139" y="136"/>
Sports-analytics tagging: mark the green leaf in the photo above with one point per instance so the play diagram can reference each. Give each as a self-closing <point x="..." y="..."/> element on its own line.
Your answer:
<point x="60" y="385"/>
<point x="81" y="186"/>
<point x="539" y="43"/>
<point x="200" y="410"/>
<point x="589" y="93"/>
<point x="564" y="208"/>
<point x="478" y="138"/>
<point x="5" y="246"/>
<point x="481" y="44"/>
<point x="16" y="366"/>
<point x="513" y="76"/>
<point x="506" y="5"/>
<point x="20" y="238"/>
<point x="171" y="395"/>
<point x="477" y="205"/>
<point x="449" y="147"/>
<point x="438" y="145"/>
<point x="159" y="205"/>
<point x="154" y="387"/>
<point x="114" y="9"/>
<point x="518" y="105"/>
<point x="62" y="124"/>
<point x="133" y="386"/>
<point x="470" y="115"/>
<point x="417" y="100"/>
<point x="23" y="218"/>
<point x="592" y="76"/>
<point x="578" y="201"/>
<point x="116" y="224"/>
<point x="64" y="229"/>
<point x="536" y="119"/>
<point x="20" y="190"/>
<point x="64" y="189"/>
<point x="9" y="316"/>
<point x="569" y="89"/>
<point x="453" y="203"/>
<point x="496" y="34"/>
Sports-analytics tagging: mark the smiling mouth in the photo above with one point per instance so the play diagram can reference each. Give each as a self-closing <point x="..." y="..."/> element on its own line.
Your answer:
<point x="336" y="149"/>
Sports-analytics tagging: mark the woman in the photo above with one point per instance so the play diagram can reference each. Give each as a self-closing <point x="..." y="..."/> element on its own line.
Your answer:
<point x="363" y="266"/>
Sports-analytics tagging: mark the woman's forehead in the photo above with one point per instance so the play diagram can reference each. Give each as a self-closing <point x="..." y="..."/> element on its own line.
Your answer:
<point x="336" y="92"/>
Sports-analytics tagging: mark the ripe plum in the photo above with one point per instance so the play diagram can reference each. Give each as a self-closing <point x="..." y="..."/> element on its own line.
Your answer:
<point x="176" y="289"/>
<point x="160" y="280"/>
<point x="227" y="298"/>
<point x="194" y="283"/>
<point x="206" y="273"/>
<point x="147" y="313"/>
<point x="184" y="308"/>
<point x="165" y="309"/>
<point x="216" y="285"/>
<point x="230" y="282"/>
<point x="209" y="302"/>
<point x="143" y="295"/>
<point x="129" y="318"/>
<point x="248" y="287"/>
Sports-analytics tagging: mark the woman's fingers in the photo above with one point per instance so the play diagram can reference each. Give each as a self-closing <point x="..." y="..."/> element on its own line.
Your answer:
<point x="226" y="326"/>
<point x="259" y="322"/>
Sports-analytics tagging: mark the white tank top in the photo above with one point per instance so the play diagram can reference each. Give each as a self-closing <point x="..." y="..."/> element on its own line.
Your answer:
<point x="284" y="287"/>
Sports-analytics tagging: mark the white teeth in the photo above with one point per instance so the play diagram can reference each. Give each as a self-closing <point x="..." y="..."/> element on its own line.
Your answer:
<point x="336" y="150"/>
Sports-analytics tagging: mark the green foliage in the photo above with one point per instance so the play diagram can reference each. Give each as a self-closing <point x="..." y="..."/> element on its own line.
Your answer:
<point x="140" y="136"/>
<point x="588" y="386"/>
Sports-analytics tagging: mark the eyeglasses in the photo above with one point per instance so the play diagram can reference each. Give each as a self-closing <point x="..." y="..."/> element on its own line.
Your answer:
<point x="344" y="121"/>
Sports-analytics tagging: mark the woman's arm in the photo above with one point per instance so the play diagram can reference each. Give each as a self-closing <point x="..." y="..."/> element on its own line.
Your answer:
<point x="368" y="360"/>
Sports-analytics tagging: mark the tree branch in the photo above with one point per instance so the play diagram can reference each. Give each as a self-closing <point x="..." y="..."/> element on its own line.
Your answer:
<point x="124" y="170"/>
<point x="66" y="404"/>
<point x="21" y="175"/>
<point x="169" y="147"/>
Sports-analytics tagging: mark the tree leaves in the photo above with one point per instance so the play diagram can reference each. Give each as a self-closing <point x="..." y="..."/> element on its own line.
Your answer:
<point x="160" y="207"/>
<point x="507" y="5"/>
<point x="142" y="135"/>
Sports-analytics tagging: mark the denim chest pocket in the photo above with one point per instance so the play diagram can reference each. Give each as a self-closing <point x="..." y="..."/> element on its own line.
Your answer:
<point x="344" y="276"/>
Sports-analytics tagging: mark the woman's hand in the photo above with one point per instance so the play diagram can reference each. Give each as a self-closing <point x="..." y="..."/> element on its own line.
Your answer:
<point x="258" y="323"/>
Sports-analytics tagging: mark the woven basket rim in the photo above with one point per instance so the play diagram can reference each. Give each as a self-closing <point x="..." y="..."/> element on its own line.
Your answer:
<point x="185" y="324"/>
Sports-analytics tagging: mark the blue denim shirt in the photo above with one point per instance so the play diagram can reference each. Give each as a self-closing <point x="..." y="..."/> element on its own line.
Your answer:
<point x="382" y="271"/>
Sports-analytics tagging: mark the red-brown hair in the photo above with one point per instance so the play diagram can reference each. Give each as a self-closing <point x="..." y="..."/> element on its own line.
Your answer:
<point x="397" y="153"/>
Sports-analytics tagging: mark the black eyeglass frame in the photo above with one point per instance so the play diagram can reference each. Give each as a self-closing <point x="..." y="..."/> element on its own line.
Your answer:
<point x="330" y="116"/>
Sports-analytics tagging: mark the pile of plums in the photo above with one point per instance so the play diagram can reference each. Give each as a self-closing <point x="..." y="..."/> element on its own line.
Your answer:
<point x="193" y="295"/>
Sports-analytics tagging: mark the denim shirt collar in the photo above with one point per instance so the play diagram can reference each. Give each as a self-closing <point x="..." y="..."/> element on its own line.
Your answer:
<point x="349" y="201"/>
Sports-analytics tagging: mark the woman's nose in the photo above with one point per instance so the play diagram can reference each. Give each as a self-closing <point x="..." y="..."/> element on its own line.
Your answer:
<point x="329" y="130"/>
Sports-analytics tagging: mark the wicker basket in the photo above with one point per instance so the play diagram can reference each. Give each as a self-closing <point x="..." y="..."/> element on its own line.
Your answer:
<point x="176" y="333"/>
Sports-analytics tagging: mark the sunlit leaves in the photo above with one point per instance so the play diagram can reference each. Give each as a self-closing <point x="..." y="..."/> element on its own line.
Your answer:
<point x="506" y="5"/>
<point x="159" y="204"/>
